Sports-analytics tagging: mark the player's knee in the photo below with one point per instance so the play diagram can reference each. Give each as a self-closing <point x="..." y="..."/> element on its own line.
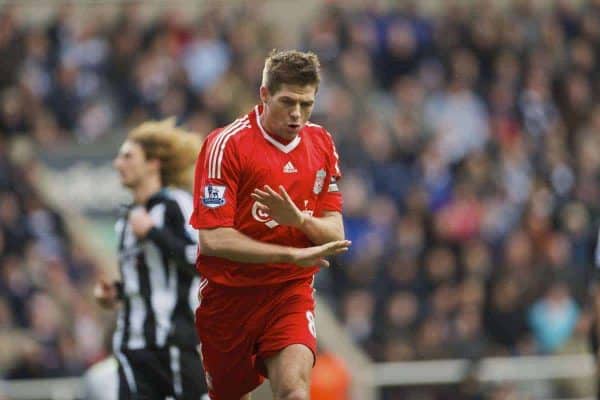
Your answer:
<point x="292" y="394"/>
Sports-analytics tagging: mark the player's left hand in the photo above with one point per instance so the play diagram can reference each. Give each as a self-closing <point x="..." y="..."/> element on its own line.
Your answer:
<point x="279" y="206"/>
<point x="141" y="222"/>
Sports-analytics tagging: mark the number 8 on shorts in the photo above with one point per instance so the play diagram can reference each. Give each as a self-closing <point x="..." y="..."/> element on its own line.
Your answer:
<point x="312" y="327"/>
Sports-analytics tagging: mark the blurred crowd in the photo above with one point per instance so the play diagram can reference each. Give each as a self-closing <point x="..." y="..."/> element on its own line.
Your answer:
<point x="49" y="326"/>
<point x="468" y="138"/>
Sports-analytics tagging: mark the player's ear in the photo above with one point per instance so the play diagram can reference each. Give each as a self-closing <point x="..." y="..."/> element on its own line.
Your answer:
<point x="264" y="94"/>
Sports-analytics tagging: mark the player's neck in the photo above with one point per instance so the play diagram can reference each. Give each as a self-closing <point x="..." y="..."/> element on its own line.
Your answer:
<point x="146" y="189"/>
<point x="271" y="132"/>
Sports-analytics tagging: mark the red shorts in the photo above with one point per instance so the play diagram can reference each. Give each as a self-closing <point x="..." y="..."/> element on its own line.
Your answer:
<point x="240" y="327"/>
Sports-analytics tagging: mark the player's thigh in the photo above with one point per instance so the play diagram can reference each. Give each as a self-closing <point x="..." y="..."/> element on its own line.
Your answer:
<point x="227" y="334"/>
<point x="227" y="357"/>
<point x="230" y="374"/>
<point x="289" y="370"/>
<point x="291" y="321"/>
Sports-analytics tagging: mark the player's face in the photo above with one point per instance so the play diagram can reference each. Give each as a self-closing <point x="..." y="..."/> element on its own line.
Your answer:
<point x="131" y="164"/>
<point x="288" y="109"/>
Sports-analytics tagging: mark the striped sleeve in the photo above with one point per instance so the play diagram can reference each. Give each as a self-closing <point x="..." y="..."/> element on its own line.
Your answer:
<point x="175" y="238"/>
<point x="216" y="179"/>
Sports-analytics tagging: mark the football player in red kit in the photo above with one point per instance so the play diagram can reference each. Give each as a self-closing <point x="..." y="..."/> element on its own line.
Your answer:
<point x="268" y="210"/>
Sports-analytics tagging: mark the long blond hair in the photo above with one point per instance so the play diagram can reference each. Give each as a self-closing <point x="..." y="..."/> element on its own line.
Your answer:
<point x="175" y="148"/>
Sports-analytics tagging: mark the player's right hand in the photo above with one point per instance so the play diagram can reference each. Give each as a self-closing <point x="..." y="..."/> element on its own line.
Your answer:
<point x="315" y="255"/>
<point x="105" y="294"/>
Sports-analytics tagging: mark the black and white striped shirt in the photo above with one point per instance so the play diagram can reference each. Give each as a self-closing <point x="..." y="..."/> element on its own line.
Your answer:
<point x="159" y="280"/>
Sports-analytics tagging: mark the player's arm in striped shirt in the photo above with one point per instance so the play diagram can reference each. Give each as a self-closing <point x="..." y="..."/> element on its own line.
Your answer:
<point x="172" y="237"/>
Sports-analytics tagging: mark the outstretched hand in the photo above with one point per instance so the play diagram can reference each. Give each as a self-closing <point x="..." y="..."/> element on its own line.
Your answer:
<point x="315" y="255"/>
<point x="279" y="206"/>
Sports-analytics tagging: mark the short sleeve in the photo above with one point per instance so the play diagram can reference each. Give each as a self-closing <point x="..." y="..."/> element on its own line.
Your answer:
<point x="215" y="184"/>
<point x="331" y="197"/>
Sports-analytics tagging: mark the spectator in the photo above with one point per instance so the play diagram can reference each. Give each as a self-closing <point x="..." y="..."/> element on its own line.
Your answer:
<point x="553" y="317"/>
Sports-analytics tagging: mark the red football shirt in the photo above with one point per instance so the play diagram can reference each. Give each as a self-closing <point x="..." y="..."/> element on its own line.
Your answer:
<point x="241" y="157"/>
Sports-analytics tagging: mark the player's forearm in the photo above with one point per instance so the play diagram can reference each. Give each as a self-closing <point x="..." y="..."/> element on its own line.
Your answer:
<point x="321" y="230"/>
<point x="235" y="246"/>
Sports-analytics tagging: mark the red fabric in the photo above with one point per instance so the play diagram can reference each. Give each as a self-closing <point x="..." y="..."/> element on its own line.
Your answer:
<point x="237" y="159"/>
<point x="239" y="327"/>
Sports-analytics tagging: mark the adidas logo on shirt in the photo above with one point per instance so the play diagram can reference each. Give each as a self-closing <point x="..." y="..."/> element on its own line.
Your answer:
<point x="289" y="168"/>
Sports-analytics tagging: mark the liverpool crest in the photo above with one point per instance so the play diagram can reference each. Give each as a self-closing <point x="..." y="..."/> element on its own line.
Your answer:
<point x="319" y="181"/>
